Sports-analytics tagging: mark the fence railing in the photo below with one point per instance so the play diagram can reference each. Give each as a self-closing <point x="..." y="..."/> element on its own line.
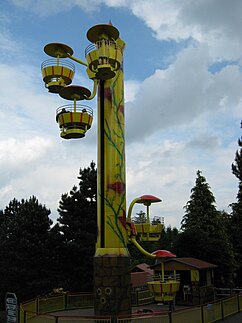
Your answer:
<point x="225" y="292"/>
<point x="53" y="303"/>
<point x="38" y="311"/>
<point x="157" y="277"/>
<point x="141" y="297"/>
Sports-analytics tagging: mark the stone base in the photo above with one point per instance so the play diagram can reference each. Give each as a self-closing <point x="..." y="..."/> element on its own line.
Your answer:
<point x="112" y="285"/>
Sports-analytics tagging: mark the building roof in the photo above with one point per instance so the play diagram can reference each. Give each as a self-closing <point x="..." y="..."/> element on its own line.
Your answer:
<point x="199" y="264"/>
<point x="139" y="279"/>
<point x="143" y="268"/>
<point x="193" y="262"/>
<point x="185" y="263"/>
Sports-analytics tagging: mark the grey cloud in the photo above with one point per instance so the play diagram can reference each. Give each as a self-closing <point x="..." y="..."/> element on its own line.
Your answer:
<point x="204" y="142"/>
<point x="180" y="94"/>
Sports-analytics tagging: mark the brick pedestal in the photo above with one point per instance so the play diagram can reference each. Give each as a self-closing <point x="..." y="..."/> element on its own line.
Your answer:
<point x="112" y="285"/>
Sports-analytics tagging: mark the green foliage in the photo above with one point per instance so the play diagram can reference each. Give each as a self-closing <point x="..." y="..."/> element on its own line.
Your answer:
<point x="167" y="241"/>
<point x="200" y="210"/>
<point x="35" y="257"/>
<point x="140" y="218"/>
<point x="237" y="166"/>
<point x="156" y="220"/>
<point x="24" y="252"/>
<point x="204" y="231"/>
<point x="168" y="238"/>
<point x="136" y="257"/>
<point x="77" y="226"/>
<point x="235" y="223"/>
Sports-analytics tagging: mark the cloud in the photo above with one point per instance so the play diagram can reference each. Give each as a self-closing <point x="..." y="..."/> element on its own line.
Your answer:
<point x="34" y="160"/>
<point x="204" y="141"/>
<point x="167" y="169"/>
<point x="41" y="167"/>
<point x="215" y="23"/>
<point x="31" y="149"/>
<point x="131" y="89"/>
<point x="178" y="120"/>
<point x="26" y="108"/>
<point x="183" y="92"/>
<point x="18" y="159"/>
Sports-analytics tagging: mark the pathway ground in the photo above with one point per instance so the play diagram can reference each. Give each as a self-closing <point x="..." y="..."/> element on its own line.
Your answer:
<point x="236" y="318"/>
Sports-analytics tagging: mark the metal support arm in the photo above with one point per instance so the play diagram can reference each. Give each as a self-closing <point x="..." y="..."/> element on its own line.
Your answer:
<point x="77" y="60"/>
<point x="142" y="250"/>
<point x="94" y="91"/>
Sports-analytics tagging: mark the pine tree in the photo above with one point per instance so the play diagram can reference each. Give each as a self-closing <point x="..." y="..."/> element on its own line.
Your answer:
<point x="237" y="166"/>
<point x="200" y="209"/>
<point x="236" y="214"/>
<point x="78" y="226"/>
<point x="140" y="218"/>
<point x="169" y="238"/>
<point x="204" y="234"/>
<point x="24" y="252"/>
<point x="237" y="171"/>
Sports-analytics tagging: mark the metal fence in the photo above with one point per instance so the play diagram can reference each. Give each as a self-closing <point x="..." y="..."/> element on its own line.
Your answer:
<point x="36" y="311"/>
<point x="162" y="318"/>
<point x="33" y="310"/>
<point x="141" y="297"/>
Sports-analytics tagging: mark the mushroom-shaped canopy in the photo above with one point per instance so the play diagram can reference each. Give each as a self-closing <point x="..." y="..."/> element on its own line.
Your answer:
<point x="72" y="92"/>
<point x="58" y="50"/>
<point x="163" y="254"/>
<point x="148" y="199"/>
<point x="95" y="32"/>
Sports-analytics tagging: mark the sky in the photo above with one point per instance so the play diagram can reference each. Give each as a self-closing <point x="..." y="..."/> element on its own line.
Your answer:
<point x="183" y="98"/>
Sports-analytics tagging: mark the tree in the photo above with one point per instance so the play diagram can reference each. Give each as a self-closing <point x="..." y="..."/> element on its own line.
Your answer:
<point x="237" y="166"/>
<point x="156" y="220"/>
<point x="200" y="209"/>
<point x="78" y="226"/>
<point x="235" y="223"/>
<point x="204" y="232"/>
<point x="169" y="238"/>
<point x="25" y="248"/>
<point x="140" y="218"/>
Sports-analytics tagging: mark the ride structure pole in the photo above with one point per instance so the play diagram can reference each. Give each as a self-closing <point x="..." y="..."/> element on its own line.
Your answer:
<point x="104" y="65"/>
<point x="112" y="279"/>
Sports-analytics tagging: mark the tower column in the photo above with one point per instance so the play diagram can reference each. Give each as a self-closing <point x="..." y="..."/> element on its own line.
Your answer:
<point x="112" y="279"/>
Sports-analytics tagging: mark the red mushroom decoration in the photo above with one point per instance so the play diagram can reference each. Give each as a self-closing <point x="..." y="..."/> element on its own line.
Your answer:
<point x="148" y="199"/>
<point x="163" y="254"/>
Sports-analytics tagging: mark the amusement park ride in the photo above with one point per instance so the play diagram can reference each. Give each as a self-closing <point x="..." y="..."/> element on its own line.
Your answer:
<point x="104" y="65"/>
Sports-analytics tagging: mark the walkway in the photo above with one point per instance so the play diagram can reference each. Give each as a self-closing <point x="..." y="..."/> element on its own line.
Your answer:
<point x="236" y="318"/>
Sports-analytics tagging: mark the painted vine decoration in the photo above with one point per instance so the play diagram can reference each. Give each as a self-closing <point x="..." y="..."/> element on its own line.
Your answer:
<point x="116" y="139"/>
